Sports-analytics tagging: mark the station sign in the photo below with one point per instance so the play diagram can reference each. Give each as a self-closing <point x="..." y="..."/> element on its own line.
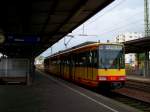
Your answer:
<point x="23" y="39"/>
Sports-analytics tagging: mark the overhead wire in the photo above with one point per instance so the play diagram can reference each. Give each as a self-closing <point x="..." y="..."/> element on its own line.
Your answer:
<point x="122" y="1"/>
<point x="128" y="19"/>
<point x="120" y="27"/>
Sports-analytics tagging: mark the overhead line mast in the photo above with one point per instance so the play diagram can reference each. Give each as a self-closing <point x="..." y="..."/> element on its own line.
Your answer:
<point x="146" y="18"/>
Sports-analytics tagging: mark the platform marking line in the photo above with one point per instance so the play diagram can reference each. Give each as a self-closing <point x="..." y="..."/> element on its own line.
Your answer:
<point x="82" y="94"/>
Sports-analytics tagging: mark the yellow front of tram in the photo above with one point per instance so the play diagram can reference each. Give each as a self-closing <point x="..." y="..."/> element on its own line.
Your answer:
<point x="111" y="65"/>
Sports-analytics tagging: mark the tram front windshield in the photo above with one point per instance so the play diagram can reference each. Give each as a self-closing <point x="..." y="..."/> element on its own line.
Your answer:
<point x="111" y="57"/>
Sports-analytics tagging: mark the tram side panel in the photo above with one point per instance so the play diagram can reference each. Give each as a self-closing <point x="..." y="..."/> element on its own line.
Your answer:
<point x="88" y="72"/>
<point x="80" y="71"/>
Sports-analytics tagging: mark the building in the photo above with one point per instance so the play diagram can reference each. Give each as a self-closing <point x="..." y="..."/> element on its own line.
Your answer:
<point x="128" y="36"/>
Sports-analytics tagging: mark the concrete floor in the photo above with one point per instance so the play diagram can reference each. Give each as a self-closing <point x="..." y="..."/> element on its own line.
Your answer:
<point x="50" y="94"/>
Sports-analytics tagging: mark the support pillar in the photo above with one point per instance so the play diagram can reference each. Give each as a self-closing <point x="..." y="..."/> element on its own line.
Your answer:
<point x="30" y="77"/>
<point x="30" y="74"/>
<point x="138" y="64"/>
<point x="146" y="66"/>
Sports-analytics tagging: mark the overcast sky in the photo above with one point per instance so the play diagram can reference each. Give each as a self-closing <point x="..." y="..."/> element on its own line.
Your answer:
<point x="119" y="17"/>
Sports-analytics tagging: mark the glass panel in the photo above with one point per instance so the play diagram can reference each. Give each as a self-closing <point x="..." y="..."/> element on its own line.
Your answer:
<point x="111" y="57"/>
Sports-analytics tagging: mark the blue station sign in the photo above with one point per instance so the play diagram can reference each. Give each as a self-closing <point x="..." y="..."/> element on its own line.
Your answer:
<point x="23" y="39"/>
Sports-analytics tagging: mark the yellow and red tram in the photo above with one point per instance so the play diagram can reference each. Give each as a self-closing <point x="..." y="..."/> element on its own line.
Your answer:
<point x="92" y="63"/>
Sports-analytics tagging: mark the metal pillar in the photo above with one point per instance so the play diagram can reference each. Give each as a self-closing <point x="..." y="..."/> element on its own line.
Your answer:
<point x="146" y="71"/>
<point x="147" y="33"/>
<point x="31" y="73"/>
<point x="146" y="18"/>
<point x="138" y="64"/>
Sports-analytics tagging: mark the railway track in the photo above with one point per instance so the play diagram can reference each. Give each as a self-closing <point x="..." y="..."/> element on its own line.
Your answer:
<point x="142" y="106"/>
<point x="142" y="89"/>
<point x="141" y="86"/>
<point x="138" y="104"/>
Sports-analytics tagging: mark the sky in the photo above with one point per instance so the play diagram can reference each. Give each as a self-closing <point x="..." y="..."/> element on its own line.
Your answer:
<point x="119" y="17"/>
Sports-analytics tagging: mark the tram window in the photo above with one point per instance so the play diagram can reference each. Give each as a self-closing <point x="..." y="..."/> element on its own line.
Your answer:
<point x="46" y="62"/>
<point x="64" y="61"/>
<point x="79" y="60"/>
<point x="58" y="62"/>
<point x="95" y="59"/>
<point x="76" y="60"/>
<point x="89" y="58"/>
<point x="67" y="62"/>
<point x="53" y="62"/>
<point x="82" y="59"/>
<point x="92" y="59"/>
<point x="73" y="60"/>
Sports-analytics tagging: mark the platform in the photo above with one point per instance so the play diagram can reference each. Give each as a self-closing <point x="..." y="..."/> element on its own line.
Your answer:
<point x="50" y="94"/>
<point x="138" y="78"/>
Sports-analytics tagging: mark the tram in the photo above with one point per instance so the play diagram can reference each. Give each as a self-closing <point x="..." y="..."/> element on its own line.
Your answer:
<point x="92" y="63"/>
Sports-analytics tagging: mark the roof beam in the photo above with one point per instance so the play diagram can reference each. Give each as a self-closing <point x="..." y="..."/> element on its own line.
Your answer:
<point x="51" y="11"/>
<point x="74" y="12"/>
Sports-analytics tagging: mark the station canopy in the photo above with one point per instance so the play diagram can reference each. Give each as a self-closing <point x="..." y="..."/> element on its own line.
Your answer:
<point x="140" y="45"/>
<point x="28" y="27"/>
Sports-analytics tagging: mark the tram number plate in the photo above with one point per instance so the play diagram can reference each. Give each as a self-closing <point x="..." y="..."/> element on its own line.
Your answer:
<point x="116" y="84"/>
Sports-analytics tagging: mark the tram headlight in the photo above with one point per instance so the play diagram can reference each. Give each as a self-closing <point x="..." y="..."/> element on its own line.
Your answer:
<point x="122" y="78"/>
<point x="102" y="78"/>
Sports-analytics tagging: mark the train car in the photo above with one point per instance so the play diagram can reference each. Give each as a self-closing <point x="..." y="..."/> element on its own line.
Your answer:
<point x="92" y="63"/>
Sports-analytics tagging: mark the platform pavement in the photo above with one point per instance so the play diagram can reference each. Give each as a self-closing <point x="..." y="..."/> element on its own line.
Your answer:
<point x="138" y="78"/>
<point x="50" y="94"/>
